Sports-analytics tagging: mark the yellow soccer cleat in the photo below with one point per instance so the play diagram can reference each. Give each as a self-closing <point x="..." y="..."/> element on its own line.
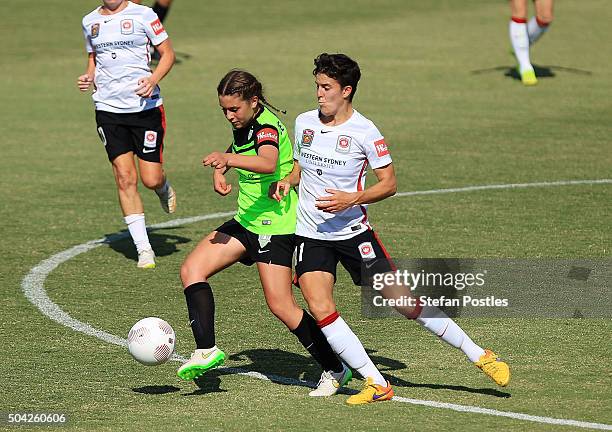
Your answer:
<point x="528" y="77"/>
<point x="371" y="393"/>
<point x="497" y="370"/>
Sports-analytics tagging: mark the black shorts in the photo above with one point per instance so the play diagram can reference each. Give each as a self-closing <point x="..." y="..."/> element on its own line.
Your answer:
<point x="362" y="256"/>
<point x="269" y="249"/>
<point x="141" y="132"/>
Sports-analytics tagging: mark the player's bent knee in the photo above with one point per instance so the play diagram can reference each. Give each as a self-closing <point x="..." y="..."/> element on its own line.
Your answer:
<point x="191" y="274"/>
<point x="153" y="182"/>
<point x="287" y="312"/>
<point x="544" y="20"/>
<point x="321" y="310"/>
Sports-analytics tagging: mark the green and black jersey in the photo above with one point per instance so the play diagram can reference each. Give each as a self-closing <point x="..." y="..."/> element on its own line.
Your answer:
<point x="257" y="212"/>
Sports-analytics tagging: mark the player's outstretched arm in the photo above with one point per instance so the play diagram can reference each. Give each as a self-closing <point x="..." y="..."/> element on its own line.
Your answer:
<point x="338" y="200"/>
<point x="87" y="79"/>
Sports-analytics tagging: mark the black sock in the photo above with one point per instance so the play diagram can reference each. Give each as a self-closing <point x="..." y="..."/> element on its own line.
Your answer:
<point x="315" y="342"/>
<point x="201" y="307"/>
<point x="161" y="11"/>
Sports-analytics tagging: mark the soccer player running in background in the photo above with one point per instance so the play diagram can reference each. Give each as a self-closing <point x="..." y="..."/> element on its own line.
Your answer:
<point x="334" y="145"/>
<point x="129" y="109"/>
<point x="262" y="231"/>
<point x="523" y="34"/>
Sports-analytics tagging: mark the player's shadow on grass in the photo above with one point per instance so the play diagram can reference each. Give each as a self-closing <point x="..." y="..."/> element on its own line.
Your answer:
<point x="485" y="391"/>
<point x="179" y="59"/>
<point x="210" y="382"/>
<point x="540" y="71"/>
<point x="278" y="366"/>
<point x="385" y="364"/>
<point x="156" y="390"/>
<point x="163" y="244"/>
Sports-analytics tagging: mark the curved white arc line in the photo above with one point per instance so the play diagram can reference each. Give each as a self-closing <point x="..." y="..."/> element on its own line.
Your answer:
<point x="33" y="283"/>
<point x="33" y="288"/>
<point x="504" y="186"/>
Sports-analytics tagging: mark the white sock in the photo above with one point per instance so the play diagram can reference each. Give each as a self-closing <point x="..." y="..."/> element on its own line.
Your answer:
<point x="534" y="31"/>
<point x="162" y="191"/>
<point x="442" y="326"/>
<point x="138" y="231"/>
<point x="520" y="44"/>
<point x="346" y="344"/>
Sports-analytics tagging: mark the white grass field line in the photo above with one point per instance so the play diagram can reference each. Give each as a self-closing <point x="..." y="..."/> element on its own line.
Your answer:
<point x="33" y="288"/>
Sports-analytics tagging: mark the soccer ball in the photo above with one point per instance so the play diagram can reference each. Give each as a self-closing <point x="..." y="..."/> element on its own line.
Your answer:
<point x="151" y="341"/>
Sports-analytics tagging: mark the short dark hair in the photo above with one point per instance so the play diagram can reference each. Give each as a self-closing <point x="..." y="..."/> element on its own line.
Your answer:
<point x="340" y="67"/>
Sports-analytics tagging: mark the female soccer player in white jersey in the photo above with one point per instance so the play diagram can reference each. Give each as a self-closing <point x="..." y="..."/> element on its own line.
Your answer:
<point x="523" y="34"/>
<point x="334" y="144"/>
<point x="129" y="109"/>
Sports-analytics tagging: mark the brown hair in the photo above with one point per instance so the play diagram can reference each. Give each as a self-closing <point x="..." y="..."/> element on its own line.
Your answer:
<point x="245" y="85"/>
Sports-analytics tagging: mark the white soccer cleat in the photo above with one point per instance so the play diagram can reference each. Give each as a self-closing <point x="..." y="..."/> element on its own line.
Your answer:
<point x="201" y="361"/>
<point x="330" y="382"/>
<point x="168" y="200"/>
<point x="146" y="259"/>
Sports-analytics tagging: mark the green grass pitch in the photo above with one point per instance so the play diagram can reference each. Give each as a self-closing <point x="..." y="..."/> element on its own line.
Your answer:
<point x="437" y="79"/>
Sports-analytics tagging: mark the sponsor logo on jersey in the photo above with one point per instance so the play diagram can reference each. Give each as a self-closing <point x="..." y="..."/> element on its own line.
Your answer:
<point x="150" y="140"/>
<point x="95" y="30"/>
<point x="267" y="134"/>
<point x="157" y="27"/>
<point x="381" y="147"/>
<point x="127" y="26"/>
<point x="307" y="137"/>
<point x="344" y="144"/>
<point x="366" y="250"/>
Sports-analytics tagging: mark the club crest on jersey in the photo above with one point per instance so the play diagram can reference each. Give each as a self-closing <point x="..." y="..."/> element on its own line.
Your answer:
<point x="95" y="30"/>
<point x="264" y="239"/>
<point x="150" y="140"/>
<point x="344" y="144"/>
<point x="157" y="27"/>
<point x="381" y="147"/>
<point x="307" y="137"/>
<point x="127" y="26"/>
<point x="366" y="250"/>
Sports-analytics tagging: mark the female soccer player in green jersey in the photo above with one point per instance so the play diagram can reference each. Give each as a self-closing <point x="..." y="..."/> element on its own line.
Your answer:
<point x="262" y="231"/>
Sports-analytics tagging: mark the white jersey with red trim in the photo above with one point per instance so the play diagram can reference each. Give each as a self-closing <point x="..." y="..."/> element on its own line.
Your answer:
<point x="121" y="44"/>
<point x="334" y="157"/>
